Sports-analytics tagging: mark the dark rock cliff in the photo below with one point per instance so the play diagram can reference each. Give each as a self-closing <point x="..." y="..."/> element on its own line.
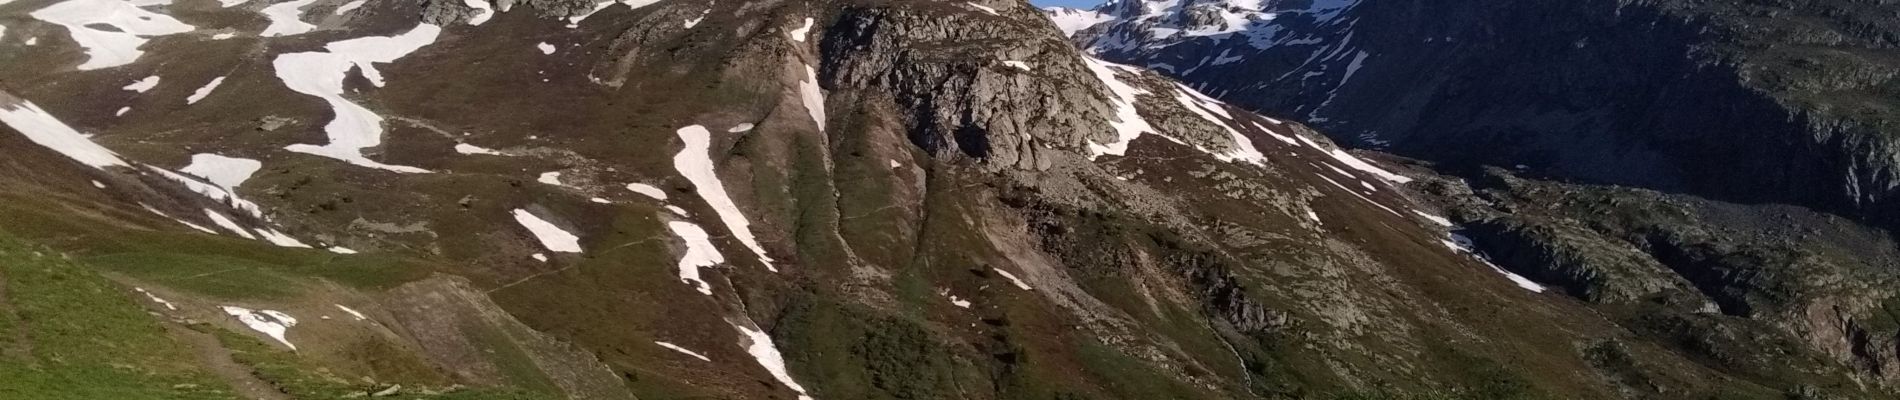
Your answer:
<point x="1747" y="101"/>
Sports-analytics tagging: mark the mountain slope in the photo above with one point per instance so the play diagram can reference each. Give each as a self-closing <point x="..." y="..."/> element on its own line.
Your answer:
<point x="684" y="199"/>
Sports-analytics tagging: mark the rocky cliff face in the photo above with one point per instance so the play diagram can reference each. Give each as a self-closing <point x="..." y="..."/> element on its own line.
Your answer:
<point x="1674" y="96"/>
<point x="795" y="199"/>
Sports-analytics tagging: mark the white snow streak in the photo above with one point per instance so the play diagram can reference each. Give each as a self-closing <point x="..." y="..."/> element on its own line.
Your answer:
<point x="204" y="90"/>
<point x="694" y="161"/>
<point x="552" y="237"/>
<point x="992" y="11"/>
<point x="759" y="345"/>
<point x="359" y="316"/>
<point x="683" y="350"/>
<point x="168" y="305"/>
<point x="1355" y="163"/>
<point x="269" y="322"/>
<point x="41" y="128"/>
<point x="647" y="190"/>
<point x="813" y="96"/>
<point x="1017" y="64"/>
<point x="699" y="253"/>
<point x="1012" y="278"/>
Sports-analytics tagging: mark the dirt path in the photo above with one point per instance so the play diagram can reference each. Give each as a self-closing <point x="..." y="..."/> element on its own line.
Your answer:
<point x="217" y="359"/>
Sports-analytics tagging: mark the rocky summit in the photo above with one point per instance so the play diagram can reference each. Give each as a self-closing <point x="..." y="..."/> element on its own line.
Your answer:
<point x="911" y="199"/>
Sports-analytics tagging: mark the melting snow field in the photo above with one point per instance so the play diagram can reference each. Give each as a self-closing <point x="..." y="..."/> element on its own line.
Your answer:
<point x="699" y="253"/>
<point x="269" y="322"/>
<point x="759" y="345"/>
<point x="287" y="18"/>
<point x="1128" y="122"/>
<point x="694" y="161"/>
<point x="1207" y="108"/>
<point x="111" y="30"/>
<point x="551" y="236"/>
<point x="41" y="128"/>
<point x="204" y="90"/>
<point x="683" y="350"/>
<point x="228" y="172"/>
<point x="321" y="74"/>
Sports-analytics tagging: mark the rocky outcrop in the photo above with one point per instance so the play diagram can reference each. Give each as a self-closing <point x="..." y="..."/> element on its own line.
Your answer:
<point x="964" y="93"/>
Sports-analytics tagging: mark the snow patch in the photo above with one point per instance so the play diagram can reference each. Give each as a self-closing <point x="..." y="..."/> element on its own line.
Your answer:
<point x="143" y="85"/>
<point x="552" y="237"/>
<point x="348" y="7"/>
<point x="111" y="31"/>
<point x="269" y="322"/>
<point x="647" y="190"/>
<point x="1462" y="244"/>
<point x="228" y="224"/>
<point x="744" y="127"/>
<point x="287" y="18"/>
<point x="1128" y="123"/>
<point x="699" y="253"/>
<point x="986" y="9"/>
<point x="482" y="11"/>
<point x="228" y="172"/>
<point x="545" y="48"/>
<point x="466" y="148"/>
<point x="321" y="74"/>
<point x="694" y="161"/>
<point x="800" y="33"/>
<point x="341" y="250"/>
<point x="1355" y="163"/>
<point x="1017" y="64"/>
